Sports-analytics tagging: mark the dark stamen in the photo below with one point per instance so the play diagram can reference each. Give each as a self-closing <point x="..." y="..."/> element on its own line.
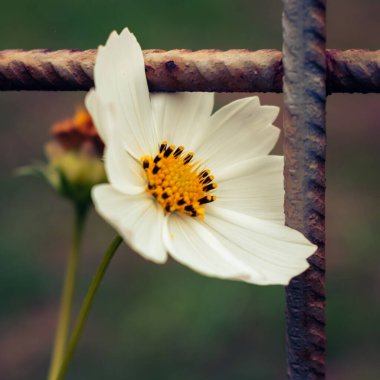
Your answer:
<point x="188" y="158"/>
<point x="156" y="159"/>
<point x="163" y="147"/>
<point x="155" y="169"/>
<point x="165" y="195"/>
<point x="178" y="151"/>
<point x="206" y="199"/>
<point x="168" y="151"/>
<point x="167" y="208"/>
<point x="203" y="173"/>
<point x="189" y="208"/>
<point x="206" y="180"/>
<point x="181" y="202"/>
<point x="209" y="187"/>
<point x="145" y="164"/>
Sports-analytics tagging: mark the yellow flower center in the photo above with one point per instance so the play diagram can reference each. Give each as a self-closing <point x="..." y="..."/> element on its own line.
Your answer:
<point x="177" y="183"/>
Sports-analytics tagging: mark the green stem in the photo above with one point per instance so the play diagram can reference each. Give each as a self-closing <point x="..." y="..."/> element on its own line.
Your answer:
<point x="67" y="294"/>
<point x="86" y="305"/>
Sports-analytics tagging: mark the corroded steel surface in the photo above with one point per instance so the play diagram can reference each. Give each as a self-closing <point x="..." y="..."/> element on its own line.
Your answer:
<point x="175" y="70"/>
<point x="304" y="150"/>
<point x="213" y="70"/>
<point x="184" y="70"/>
<point x="353" y="70"/>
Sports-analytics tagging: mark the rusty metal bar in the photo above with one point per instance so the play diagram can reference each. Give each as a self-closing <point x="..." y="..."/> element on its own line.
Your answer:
<point x="304" y="150"/>
<point x="353" y="70"/>
<point x="184" y="70"/>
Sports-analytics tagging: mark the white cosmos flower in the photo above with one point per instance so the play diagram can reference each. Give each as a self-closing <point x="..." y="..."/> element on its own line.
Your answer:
<point x="185" y="182"/>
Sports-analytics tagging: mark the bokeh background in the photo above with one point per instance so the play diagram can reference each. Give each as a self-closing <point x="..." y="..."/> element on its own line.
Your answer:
<point x="152" y="322"/>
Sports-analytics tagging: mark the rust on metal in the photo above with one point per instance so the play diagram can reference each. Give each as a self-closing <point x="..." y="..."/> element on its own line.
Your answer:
<point x="175" y="70"/>
<point x="185" y="70"/>
<point x="354" y="70"/>
<point x="215" y="70"/>
<point x="304" y="151"/>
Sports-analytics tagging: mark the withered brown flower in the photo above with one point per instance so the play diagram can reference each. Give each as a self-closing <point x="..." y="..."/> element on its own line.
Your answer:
<point x="78" y="133"/>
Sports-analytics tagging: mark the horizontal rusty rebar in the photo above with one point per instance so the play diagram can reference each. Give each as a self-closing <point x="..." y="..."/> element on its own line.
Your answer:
<point x="184" y="70"/>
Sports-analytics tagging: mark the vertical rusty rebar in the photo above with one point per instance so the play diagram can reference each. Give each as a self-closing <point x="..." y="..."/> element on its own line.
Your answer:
<point x="304" y="149"/>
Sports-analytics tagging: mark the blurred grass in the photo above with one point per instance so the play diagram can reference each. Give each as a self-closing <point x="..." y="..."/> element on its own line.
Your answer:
<point x="165" y="322"/>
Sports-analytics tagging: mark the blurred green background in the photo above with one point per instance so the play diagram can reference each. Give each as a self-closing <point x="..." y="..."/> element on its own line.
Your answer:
<point x="152" y="322"/>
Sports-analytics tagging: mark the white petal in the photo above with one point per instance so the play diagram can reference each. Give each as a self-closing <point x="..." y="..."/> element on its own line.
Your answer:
<point x="254" y="187"/>
<point x="241" y="130"/>
<point x="137" y="218"/>
<point x="120" y="80"/>
<point x="276" y="251"/>
<point x="181" y="118"/>
<point x="191" y="243"/>
<point x="124" y="172"/>
<point x="99" y="113"/>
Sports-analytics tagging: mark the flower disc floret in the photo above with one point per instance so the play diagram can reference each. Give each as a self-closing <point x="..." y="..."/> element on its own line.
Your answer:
<point x="177" y="183"/>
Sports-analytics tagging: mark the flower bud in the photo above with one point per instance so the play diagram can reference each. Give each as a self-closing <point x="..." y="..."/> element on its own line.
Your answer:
<point x="74" y="159"/>
<point x="73" y="173"/>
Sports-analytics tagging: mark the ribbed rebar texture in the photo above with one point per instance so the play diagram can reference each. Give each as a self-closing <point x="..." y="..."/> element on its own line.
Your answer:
<point x="184" y="70"/>
<point x="175" y="70"/>
<point x="353" y="71"/>
<point x="304" y="150"/>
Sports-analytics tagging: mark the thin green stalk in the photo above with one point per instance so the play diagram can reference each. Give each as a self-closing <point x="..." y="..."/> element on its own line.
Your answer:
<point x="86" y="305"/>
<point x="67" y="294"/>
